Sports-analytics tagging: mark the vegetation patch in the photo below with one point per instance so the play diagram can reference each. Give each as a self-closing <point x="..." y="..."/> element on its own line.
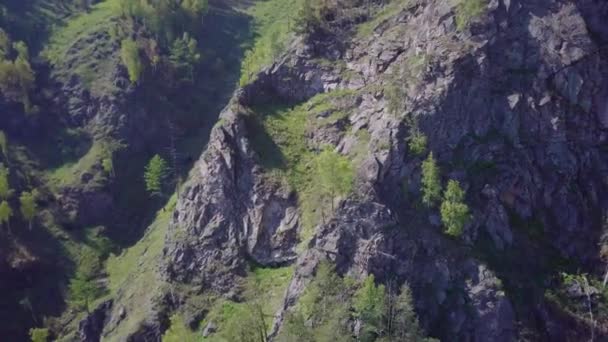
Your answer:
<point x="467" y="11"/>
<point x="95" y="160"/>
<point x="97" y="19"/>
<point x="273" y="28"/>
<point x="385" y="13"/>
<point x="263" y="296"/>
<point x="136" y="266"/>
<point x="279" y="136"/>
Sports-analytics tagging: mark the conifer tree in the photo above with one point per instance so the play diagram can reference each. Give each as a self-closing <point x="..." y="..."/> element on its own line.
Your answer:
<point x="155" y="175"/>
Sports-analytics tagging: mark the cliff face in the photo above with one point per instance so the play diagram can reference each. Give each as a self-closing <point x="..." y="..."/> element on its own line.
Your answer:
<point x="514" y="106"/>
<point x="510" y="95"/>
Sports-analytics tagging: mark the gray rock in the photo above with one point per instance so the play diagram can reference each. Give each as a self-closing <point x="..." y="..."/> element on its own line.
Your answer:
<point x="210" y="329"/>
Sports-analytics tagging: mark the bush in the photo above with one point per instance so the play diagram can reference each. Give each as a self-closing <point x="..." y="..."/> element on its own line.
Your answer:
<point x="454" y="212"/>
<point x="39" y="335"/>
<point x="417" y="143"/>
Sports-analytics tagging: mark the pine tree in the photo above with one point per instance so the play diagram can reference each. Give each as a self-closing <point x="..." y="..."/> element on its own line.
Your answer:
<point x="431" y="182"/>
<point x="4" y="145"/>
<point x="454" y="212"/>
<point x="369" y="306"/>
<point x="82" y="291"/>
<point x="28" y="206"/>
<point x="5" y="214"/>
<point x="5" y="187"/>
<point x="184" y="56"/>
<point x="155" y="175"/>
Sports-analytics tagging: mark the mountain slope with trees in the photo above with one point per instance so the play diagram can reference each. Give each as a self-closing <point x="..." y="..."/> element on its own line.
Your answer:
<point x="309" y="170"/>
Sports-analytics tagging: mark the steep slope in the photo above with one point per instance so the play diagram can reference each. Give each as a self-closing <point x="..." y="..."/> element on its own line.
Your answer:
<point x="511" y="104"/>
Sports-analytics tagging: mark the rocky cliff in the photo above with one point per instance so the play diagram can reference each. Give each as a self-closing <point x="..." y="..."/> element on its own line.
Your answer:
<point x="514" y="107"/>
<point x="511" y="97"/>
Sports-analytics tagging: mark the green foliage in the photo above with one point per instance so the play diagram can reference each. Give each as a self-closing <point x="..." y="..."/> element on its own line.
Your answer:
<point x="273" y="28"/>
<point x="5" y="187"/>
<point x="280" y="140"/>
<point x="155" y="175"/>
<point x="431" y="181"/>
<point x="17" y="78"/>
<point x="83" y="291"/>
<point x="309" y="16"/>
<point x="368" y="303"/>
<point x="325" y="304"/>
<point x="129" y="52"/>
<point x="184" y="56"/>
<point x="164" y="18"/>
<point x="108" y="165"/>
<point x="401" y="320"/>
<point x="39" y="335"/>
<point x="391" y="9"/>
<point x="329" y="303"/>
<point x="467" y="11"/>
<point x="454" y="212"/>
<point x="29" y="207"/>
<point x="334" y="174"/>
<point x="417" y="143"/>
<point x="179" y="331"/>
<point x="4" y="145"/>
<point x="251" y="319"/>
<point x="5" y="213"/>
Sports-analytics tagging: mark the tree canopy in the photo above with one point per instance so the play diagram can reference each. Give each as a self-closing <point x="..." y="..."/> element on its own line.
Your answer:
<point x="28" y="206"/>
<point x="431" y="181"/>
<point x="155" y="175"/>
<point x="454" y="212"/>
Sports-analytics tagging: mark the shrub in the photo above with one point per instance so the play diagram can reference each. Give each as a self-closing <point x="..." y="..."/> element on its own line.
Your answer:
<point x="417" y="143"/>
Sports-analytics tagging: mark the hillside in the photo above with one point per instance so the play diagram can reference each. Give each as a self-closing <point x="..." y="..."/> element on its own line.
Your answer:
<point x="278" y="170"/>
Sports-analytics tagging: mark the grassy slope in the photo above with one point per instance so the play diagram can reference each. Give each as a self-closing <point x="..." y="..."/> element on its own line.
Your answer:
<point x="272" y="31"/>
<point x="273" y="282"/>
<point x="132" y="276"/>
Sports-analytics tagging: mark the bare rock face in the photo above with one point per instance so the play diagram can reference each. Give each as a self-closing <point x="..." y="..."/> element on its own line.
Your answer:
<point x="228" y="214"/>
<point x="90" y="328"/>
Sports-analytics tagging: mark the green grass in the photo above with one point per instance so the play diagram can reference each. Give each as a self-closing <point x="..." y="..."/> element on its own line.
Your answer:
<point x="391" y="9"/>
<point x="63" y="37"/>
<point x="134" y="267"/>
<point x="271" y="281"/>
<point x="70" y="173"/>
<point x="279" y="136"/>
<point x="272" y="30"/>
<point x="83" y="45"/>
<point x="179" y="331"/>
<point x="467" y="11"/>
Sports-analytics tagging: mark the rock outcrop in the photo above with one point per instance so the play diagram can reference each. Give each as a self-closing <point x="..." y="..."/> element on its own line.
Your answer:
<point x="514" y="107"/>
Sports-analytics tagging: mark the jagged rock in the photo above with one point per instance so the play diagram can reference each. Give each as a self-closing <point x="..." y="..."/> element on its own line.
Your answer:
<point x="229" y="214"/>
<point x="90" y="328"/>
<point x="209" y="329"/>
<point x="512" y="106"/>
